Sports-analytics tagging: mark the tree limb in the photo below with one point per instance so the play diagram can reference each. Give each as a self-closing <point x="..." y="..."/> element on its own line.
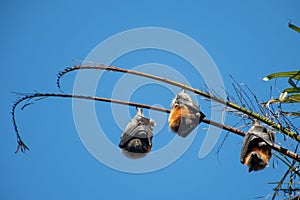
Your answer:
<point x="250" y="113"/>
<point x="23" y="147"/>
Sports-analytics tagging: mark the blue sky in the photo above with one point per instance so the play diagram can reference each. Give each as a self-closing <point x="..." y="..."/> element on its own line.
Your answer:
<point x="40" y="38"/>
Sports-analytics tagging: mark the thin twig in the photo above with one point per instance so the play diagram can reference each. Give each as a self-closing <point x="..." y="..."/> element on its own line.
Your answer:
<point x="280" y="183"/>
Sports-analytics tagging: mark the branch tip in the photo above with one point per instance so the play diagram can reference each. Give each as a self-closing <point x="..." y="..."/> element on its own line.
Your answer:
<point x="21" y="146"/>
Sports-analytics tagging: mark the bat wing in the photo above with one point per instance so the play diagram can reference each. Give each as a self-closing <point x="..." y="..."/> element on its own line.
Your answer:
<point x="193" y="107"/>
<point x="257" y="136"/>
<point x="262" y="133"/>
<point x="189" y="123"/>
<point x="139" y="127"/>
<point x="246" y="147"/>
<point x="190" y="104"/>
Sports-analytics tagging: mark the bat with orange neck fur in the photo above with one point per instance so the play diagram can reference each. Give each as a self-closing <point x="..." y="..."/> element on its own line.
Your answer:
<point x="256" y="151"/>
<point x="185" y="114"/>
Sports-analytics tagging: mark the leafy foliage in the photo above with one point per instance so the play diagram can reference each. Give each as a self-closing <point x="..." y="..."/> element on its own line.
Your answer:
<point x="295" y="28"/>
<point x="288" y="95"/>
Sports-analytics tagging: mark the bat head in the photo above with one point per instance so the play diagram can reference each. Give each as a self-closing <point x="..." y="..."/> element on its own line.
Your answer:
<point x="256" y="161"/>
<point x="137" y="148"/>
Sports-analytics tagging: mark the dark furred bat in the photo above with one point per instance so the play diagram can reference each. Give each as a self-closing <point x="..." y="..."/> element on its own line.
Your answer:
<point x="256" y="151"/>
<point x="136" y="141"/>
<point x="185" y="114"/>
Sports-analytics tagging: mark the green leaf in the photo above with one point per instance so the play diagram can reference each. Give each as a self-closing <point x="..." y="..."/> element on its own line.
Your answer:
<point x="293" y="98"/>
<point x="293" y="74"/>
<point x="288" y="99"/>
<point x="282" y="96"/>
<point x="291" y="90"/>
<point x="295" y="28"/>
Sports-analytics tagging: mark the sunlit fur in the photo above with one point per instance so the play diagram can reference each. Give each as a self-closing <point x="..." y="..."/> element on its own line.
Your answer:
<point x="176" y="115"/>
<point x="258" y="158"/>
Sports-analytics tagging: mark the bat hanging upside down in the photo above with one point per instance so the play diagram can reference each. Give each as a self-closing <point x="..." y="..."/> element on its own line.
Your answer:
<point x="136" y="141"/>
<point x="185" y="114"/>
<point x="256" y="151"/>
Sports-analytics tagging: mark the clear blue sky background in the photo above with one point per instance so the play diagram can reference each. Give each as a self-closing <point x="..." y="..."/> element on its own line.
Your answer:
<point x="39" y="38"/>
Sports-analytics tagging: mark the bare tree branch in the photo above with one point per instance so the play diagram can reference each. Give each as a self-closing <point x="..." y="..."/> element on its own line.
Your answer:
<point x="250" y="113"/>
<point x="23" y="147"/>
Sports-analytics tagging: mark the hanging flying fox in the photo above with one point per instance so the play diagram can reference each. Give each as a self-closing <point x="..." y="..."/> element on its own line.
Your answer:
<point x="256" y="151"/>
<point x="136" y="141"/>
<point x="185" y="114"/>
